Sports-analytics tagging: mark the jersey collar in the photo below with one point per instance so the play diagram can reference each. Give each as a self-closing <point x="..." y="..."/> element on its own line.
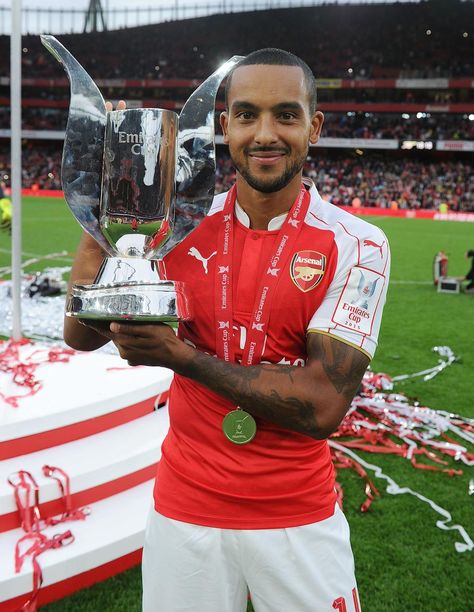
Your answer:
<point x="275" y="223"/>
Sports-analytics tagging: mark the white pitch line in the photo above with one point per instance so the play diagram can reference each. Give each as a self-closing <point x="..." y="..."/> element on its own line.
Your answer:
<point x="40" y="256"/>
<point x="410" y="282"/>
<point x="23" y="253"/>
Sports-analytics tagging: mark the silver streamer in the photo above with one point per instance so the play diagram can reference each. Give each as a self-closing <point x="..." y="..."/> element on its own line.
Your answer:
<point x="41" y="317"/>
<point x="423" y="424"/>
<point x="447" y="358"/>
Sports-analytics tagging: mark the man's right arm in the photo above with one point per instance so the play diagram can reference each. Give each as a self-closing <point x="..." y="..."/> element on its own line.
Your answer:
<point x="89" y="257"/>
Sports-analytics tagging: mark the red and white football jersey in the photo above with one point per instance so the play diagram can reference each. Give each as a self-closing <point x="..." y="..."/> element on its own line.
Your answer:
<point x="335" y="283"/>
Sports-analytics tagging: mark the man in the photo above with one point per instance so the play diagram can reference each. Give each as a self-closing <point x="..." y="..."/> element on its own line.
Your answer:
<point x="469" y="288"/>
<point x="5" y="212"/>
<point x="244" y="495"/>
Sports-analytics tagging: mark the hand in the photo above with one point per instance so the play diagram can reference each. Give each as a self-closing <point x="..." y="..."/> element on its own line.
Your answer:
<point x="153" y="344"/>
<point x="100" y="326"/>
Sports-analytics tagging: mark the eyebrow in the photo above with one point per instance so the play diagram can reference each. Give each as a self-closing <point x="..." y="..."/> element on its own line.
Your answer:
<point x="282" y="106"/>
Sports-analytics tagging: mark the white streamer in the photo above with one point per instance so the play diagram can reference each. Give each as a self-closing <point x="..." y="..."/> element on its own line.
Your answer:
<point x="394" y="489"/>
<point x="429" y="373"/>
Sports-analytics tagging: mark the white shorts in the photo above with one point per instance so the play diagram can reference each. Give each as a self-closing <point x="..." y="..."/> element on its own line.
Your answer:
<point x="189" y="568"/>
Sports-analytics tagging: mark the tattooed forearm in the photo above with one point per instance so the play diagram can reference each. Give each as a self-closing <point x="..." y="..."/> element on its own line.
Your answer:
<point x="311" y="400"/>
<point x="267" y="391"/>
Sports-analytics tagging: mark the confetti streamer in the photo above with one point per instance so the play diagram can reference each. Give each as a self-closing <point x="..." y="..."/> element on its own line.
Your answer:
<point x="394" y="489"/>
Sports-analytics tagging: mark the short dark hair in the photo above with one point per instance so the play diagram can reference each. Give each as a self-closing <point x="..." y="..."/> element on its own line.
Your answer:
<point x="277" y="57"/>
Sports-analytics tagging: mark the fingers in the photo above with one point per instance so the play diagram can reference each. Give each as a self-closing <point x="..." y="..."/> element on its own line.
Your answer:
<point x="139" y="330"/>
<point x="121" y="105"/>
<point x="100" y="327"/>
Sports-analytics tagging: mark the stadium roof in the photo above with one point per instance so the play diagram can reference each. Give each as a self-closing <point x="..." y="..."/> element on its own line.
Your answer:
<point x="62" y="16"/>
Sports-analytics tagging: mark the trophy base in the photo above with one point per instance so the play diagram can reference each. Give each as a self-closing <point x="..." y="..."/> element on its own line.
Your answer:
<point x="158" y="301"/>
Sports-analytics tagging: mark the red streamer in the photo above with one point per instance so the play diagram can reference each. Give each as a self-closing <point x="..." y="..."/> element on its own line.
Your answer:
<point x="377" y="423"/>
<point x="23" y="371"/>
<point x="26" y="493"/>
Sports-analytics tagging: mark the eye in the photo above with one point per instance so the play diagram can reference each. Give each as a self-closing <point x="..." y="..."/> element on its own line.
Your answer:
<point x="287" y="116"/>
<point x="245" y="115"/>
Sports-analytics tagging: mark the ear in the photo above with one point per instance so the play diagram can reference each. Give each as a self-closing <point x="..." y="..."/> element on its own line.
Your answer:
<point x="224" y="121"/>
<point x="316" y="127"/>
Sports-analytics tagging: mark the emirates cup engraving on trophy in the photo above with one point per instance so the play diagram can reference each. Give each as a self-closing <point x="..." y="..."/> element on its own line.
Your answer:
<point x="138" y="181"/>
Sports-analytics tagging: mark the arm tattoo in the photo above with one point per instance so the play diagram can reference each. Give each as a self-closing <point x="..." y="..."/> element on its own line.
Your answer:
<point x="293" y="397"/>
<point x="343" y="365"/>
<point x="268" y="391"/>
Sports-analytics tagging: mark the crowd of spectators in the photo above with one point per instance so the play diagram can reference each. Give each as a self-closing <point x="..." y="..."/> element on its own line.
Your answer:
<point x="41" y="166"/>
<point x="394" y="182"/>
<point x="423" y="40"/>
<point x="374" y="180"/>
<point x="406" y="126"/>
<point x="381" y="181"/>
<point x="426" y="39"/>
<point x="424" y="127"/>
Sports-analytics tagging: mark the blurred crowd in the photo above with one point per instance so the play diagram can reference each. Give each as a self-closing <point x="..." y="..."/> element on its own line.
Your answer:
<point x="394" y="182"/>
<point x="417" y="40"/>
<point x="41" y="166"/>
<point x="378" y="180"/>
<point x="425" y="126"/>
<point x="364" y="179"/>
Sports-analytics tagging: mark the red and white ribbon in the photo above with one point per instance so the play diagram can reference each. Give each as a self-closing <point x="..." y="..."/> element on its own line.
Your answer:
<point x="35" y="542"/>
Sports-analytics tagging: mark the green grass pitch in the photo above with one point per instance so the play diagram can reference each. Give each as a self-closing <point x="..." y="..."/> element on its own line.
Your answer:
<point x="403" y="561"/>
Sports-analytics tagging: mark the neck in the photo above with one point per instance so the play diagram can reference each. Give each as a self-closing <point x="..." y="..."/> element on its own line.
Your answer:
<point x="261" y="207"/>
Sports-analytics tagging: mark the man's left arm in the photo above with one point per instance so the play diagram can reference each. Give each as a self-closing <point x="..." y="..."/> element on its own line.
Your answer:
<point x="311" y="400"/>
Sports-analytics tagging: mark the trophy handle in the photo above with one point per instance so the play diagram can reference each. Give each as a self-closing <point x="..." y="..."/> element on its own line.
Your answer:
<point x="81" y="170"/>
<point x="196" y="156"/>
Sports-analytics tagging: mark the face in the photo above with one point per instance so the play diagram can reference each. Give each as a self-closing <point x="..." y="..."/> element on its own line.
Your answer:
<point x="268" y="125"/>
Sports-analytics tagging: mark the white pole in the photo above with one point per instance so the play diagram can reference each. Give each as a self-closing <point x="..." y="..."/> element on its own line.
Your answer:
<point x="15" y="105"/>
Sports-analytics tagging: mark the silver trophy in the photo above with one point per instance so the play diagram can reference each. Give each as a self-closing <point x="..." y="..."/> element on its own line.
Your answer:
<point x="139" y="181"/>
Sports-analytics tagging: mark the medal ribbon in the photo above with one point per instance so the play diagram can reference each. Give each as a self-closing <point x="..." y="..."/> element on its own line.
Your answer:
<point x="270" y="274"/>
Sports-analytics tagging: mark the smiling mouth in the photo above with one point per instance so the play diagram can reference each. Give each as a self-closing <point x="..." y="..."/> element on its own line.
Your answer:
<point x="267" y="157"/>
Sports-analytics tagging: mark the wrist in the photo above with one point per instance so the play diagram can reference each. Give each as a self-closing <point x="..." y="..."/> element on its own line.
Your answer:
<point x="181" y="355"/>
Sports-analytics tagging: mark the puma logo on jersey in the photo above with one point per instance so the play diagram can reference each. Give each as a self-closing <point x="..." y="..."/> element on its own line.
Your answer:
<point x="293" y="222"/>
<point x="273" y="271"/>
<point x="227" y="218"/>
<point x="257" y="326"/>
<point x="371" y="243"/>
<point x="223" y="324"/>
<point x="223" y="269"/>
<point x="195" y="253"/>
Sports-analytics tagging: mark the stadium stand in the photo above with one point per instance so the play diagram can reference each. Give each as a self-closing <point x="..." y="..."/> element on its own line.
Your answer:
<point x="399" y="47"/>
<point x="425" y="126"/>
<point x="404" y="88"/>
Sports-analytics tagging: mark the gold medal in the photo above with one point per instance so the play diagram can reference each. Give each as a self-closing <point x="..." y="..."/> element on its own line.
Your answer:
<point x="239" y="426"/>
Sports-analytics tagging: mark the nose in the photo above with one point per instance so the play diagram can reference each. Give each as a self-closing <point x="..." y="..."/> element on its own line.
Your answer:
<point x="265" y="131"/>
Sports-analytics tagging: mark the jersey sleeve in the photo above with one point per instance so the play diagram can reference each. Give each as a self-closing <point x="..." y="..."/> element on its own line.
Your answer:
<point x="352" y="307"/>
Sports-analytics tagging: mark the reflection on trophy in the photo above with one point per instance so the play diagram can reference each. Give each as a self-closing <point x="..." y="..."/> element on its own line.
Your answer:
<point x="139" y="181"/>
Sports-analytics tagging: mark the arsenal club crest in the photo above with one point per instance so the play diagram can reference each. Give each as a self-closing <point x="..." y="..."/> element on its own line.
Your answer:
<point x="307" y="269"/>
